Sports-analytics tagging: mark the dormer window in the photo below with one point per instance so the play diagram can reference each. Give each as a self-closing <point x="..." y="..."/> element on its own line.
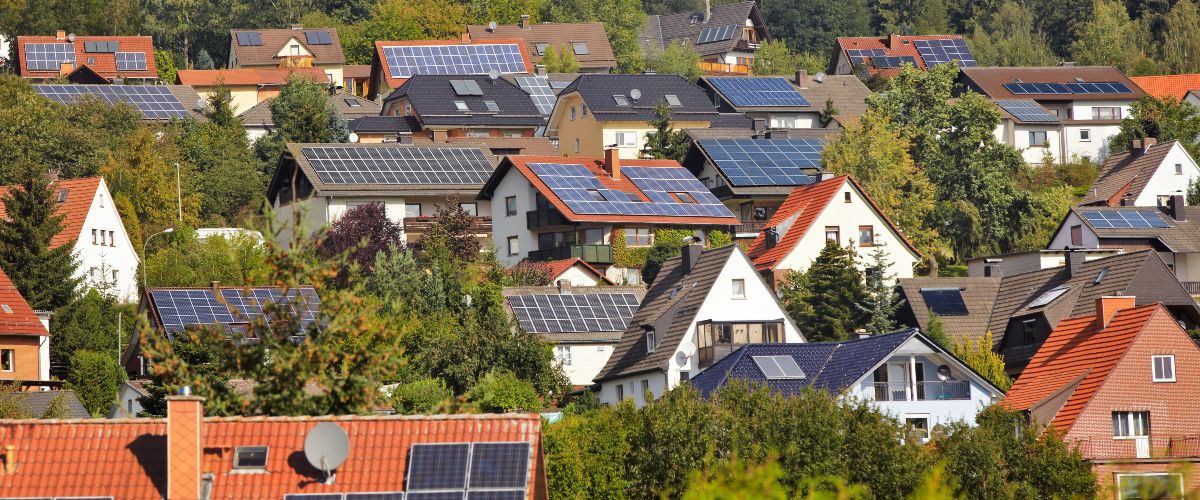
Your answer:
<point x="250" y="458"/>
<point x="651" y="340"/>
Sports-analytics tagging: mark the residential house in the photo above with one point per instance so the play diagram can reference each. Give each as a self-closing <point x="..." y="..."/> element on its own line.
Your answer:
<point x="129" y="395"/>
<point x="24" y="338"/>
<point x="725" y="36"/>
<point x="1119" y="385"/>
<point x="834" y="209"/>
<point x="87" y="59"/>
<point x="465" y="106"/>
<point x="587" y="43"/>
<point x="1021" y="310"/>
<point x="395" y="62"/>
<point x="187" y="455"/>
<point x="995" y="266"/>
<point x="783" y="104"/>
<point x="1182" y="88"/>
<point x="584" y="323"/>
<point x="355" y="78"/>
<point x="594" y="209"/>
<point x="37" y="404"/>
<point x="903" y="374"/>
<point x="575" y="272"/>
<point x="316" y="183"/>
<point x="596" y="112"/>
<point x="246" y="87"/>
<point x="260" y="121"/>
<point x="156" y="103"/>
<point x="1087" y="102"/>
<point x="868" y="55"/>
<point x="294" y="47"/>
<point x="1147" y="175"/>
<point x="379" y="129"/>
<point x="107" y="259"/>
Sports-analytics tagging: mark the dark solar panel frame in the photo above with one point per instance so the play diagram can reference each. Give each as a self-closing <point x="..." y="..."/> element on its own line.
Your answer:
<point x="1068" y="88"/>
<point x="499" y="466"/>
<point x="576" y="186"/>
<point x="716" y="34"/>
<point x="399" y="165"/>
<point x="538" y="88"/>
<point x="588" y="312"/>
<point x="313" y="496"/>
<point x="1027" y="111"/>
<point x="758" y="91"/>
<point x="404" y="61"/>
<point x="381" y="495"/>
<point x="101" y="47"/>
<point x="48" y="56"/>
<point x="249" y="38"/>
<point x="436" y="495"/>
<point x="1125" y="219"/>
<point x="155" y="102"/>
<point x="766" y="162"/>
<point x="496" y="495"/>
<point x="496" y="470"/>
<point x="131" y="61"/>
<point x="441" y="466"/>
<point x="942" y="51"/>
<point x="179" y="308"/>
<point x="944" y="301"/>
<point x="888" y="62"/>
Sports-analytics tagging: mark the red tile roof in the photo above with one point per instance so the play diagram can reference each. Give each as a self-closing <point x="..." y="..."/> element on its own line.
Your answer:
<point x="1078" y="353"/>
<point x="893" y="46"/>
<point x="1168" y="86"/>
<point x="246" y="76"/>
<point x="396" y="82"/>
<point x="102" y="63"/>
<point x="80" y="194"/>
<point x="557" y="267"/>
<point x="127" y="458"/>
<point x="22" y="320"/>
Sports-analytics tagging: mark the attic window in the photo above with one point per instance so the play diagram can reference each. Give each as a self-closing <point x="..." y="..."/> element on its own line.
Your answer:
<point x="621" y="100"/>
<point x="779" y="367"/>
<point x="1049" y="296"/>
<point x="250" y="457"/>
<point x="540" y="48"/>
<point x="683" y="197"/>
<point x="62" y="195"/>
<point x="353" y="103"/>
<point x="1100" y="277"/>
<point x="634" y="197"/>
<point x="462" y="106"/>
<point x="491" y="105"/>
<point x="6" y="308"/>
<point x="596" y="195"/>
<point x="673" y="100"/>
<point x="580" y="48"/>
<point x="651" y="340"/>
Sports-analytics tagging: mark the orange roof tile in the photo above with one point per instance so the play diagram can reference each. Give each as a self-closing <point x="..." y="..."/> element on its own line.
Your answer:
<point x="246" y="76"/>
<point x="1077" y="353"/>
<point x="1168" y="86"/>
<point x="905" y="47"/>
<point x="16" y="316"/>
<point x="557" y="267"/>
<point x="80" y="193"/>
<point x="103" y="63"/>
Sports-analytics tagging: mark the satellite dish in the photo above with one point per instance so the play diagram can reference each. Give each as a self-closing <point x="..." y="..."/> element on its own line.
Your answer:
<point x="71" y="37"/>
<point x="681" y="359"/>
<point x="492" y="26"/>
<point x="494" y="74"/>
<point x="326" y="448"/>
<point x="353" y="137"/>
<point x="635" y="94"/>
<point x="201" y="103"/>
<point x="943" y="373"/>
<point x="819" y="77"/>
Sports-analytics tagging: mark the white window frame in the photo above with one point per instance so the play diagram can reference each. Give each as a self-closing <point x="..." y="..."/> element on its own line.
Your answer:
<point x="1121" y="476"/>
<point x="1130" y="421"/>
<point x="406" y="205"/>
<point x="626" y="139"/>
<point x="620" y="392"/>
<point x="572" y="113"/>
<point x="1085" y="135"/>
<point x="461" y="106"/>
<point x="1154" y="367"/>
<point x="8" y="357"/>
<point x="473" y="212"/>
<point x="734" y="285"/>
<point x="563" y="354"/>
<point x="928" y="423"/>
<point x="576" y="145"/>
<point x="633" y="276"/>
<point x="646" y="389"/>
<point x="1178" y="169"/>
<point x="1045" y="142"/>
<point x="635" y="234"/>
<point x="651" y="341"/>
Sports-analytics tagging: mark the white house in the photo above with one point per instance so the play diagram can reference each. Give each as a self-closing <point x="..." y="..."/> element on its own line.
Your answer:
<point x="1147" y="175"/>
<point x="574" y="272"/>
<point x="834" y="209"/>
<point x="701" y="307"/>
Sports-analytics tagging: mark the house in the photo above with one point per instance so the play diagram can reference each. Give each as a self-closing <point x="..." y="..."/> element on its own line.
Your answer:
<point x="395" y="62"/>
<point x="355" y="78"/>
<point x="995" y="266"/>
<point x="156" y="103"/>
<point x="587" y="43"/>
<point x="903" y="374"/>
<point x="379" y="129"/>
<point x="24" y="338"/>
<point x="246" y="87"/>
<point x="103" y="59"/>
<point x="575" y="272"/>
<point x="597" y="111"/>
<point x="594" y="209"/>
<point x="107" y="259"/>
<point x="259" y="121"/>
<point x="187" y="455"/>
<point x="465" y="106"/>
<point x="316" y="183"/>
<point x="1021" y="310"/>
<point x="294" y="47"/>
<point x="703" y="305"/>
<point x="790" y="104"/>
<point x="834" y="209"/>
<point x="725" y="36"/>
<point x="1086" y="102"/>
<point x="1147" y="175"/>
<point x="129" y="396"/>
<point x="1182" y="88"/>
<point x="37" y="404"/>
<point x="1119" y="385"/>
<point x="870" y="55"/>
<point x="584" y="323"/>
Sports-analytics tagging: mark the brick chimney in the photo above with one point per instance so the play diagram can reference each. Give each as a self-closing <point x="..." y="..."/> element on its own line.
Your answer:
<point x="524" y="21"/>
<point x="1148" y="142"/>
<point x="893" y="41"/>
<point x="564" y="286"/>
<point x="612" y="162"/>
<point x="1178" y="201"/>
<point x="185" y="422"/>
<point x="465" y="38"/>
<point x="60" y="35"/>
<point x="802" y="80"/>
<point x="297" y="27"/>
<point x="1107" y="307"/>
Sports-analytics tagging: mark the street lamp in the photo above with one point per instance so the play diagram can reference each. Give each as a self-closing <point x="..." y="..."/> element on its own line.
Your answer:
<point x="146" y="258"/>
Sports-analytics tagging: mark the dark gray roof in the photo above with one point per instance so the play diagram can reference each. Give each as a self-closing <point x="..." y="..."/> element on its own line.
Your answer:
<point x="350" y="106"/>
<point x="572" y="336"/>
<point x="978" y="294"/>
<point x="1181" y="236"/>
<point x="36" y="403"/>
<point x="731" y="121"/>
<point x="386" y="124"/>
<point x="661" y="30"/>
<point x="433" y="102"/>
<point x="597" y="92"/>
<point x="1126" y="174"/>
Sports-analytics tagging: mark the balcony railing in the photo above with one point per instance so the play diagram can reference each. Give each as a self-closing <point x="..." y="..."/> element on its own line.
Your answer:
<point x="1193" y="287"/>
<point x="1108" y="448"/>
<point x="545" y="217"/>
<point x="592" y="254"/>
<point x="714" y="67"/>
<point x="925" y="391"/>
<point x="416" y="227"/>
<point x="746" y="45"/>
<point x="750" y="227"/>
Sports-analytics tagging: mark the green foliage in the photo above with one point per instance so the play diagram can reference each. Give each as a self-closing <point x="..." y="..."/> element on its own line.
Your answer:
<point x="43" y="275"/>
<point x="504" y="11"/>
<point x="203" y="60"/>
<point x="58" y="409"/>
<point x="664" y="142"/>
<point x="420" y="396"/>
<point x="1181" y="38"/>
<point x="623" y="21"/>
<point x="936" y="331"/>
<point x="587" y="454"/>
<point x="202" y="359"/>
<point x="1193" y="192"/>
<point x="226" y="173"/>
<point x="822" y="300"/>
<point x="164" y="62"/>
<point x="810" y="26"/>
<point x="1164" y="119"/>
<point x="11" y="398"/>
<point x="659" y="253"/>
<point x="95" y="378"/>
<point x="503" y="392"/>
<point x="734" y="479"/>
<point x="775" y="58"/>
<point x="978" y="354"/>
<point x="185" y="260"/>
<point x="145" y="174"/>
<point x="880" y="298"/>
<point x="677" y="59"/>
<point x="912" y="17"/>
<point x="1110" y="38"/>
<point x="1010" y="39"/>
<point x="560" y="60"/>
<point x="89" y="323"/>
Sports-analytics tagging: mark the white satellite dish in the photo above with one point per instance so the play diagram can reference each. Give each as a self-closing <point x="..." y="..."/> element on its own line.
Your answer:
<point x="353" y="137"/>
<point x="681" y="359"/>
<point x="494" y="74"/>
<point x="492" y="26"/>
<point x="635" y="94"/>
<point x="201" y="104"/>
<point x="326" y="448"/>
<point x="71" y="37"/>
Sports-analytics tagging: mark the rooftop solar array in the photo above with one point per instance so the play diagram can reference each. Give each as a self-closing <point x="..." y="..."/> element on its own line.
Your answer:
<point x="464" y="471"/>
<point x="942" y="51"/>
<point x="407" y="60"/>
<point x="155" y="102"/>
<point x="589" y="312"/>
<point x="48" y="56"/>
<point x="398" y="165"/>
<point x="766" y="162"/>
<point x="131" y="61"/>
<point x="1049" y="295"/>
<point x="716" y="34"/>
<point x="538" y="88"/>
<point x="1069" y="88"/>
<point x="317" y="37"/>
<point x="944" y="301"/>
<point x="249" y="38"/>
<point x="778" y="367"/>
<point x="673" y="191"/>
<point x="1027" y="111"/>
<point x="860" y="56"/>
<point x="887" y="62"/>
<point x="758" y="91"/>
<point x="1125" y="219"/>
<point x="383" y="495"/>
<point x="179" y="308"/>
<point x="101" y="47"/>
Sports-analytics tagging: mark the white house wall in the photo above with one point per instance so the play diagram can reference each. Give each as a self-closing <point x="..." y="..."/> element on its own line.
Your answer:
<point x="1062" y="238"/>
<point x="504" y="226"/>
<point x="578" y="277"/>
<point x="586" y="361"/>
<point x="98" y="262"/>
<point x="1165" y="181"/>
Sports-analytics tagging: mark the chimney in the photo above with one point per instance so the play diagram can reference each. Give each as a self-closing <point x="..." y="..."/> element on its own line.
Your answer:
<point x="770" y="237"/>
<point x="564" y="286"/>
<point x="524" y="21"/>
<point x="691" y="253"/>
<point x="612" y="162"/>
<point x="1135" y="146"/>
<point x="539" y="69"/>
<point x="893" y="41"/>
<point x="60" y="35"/>
<point x="465" y="38"/>
<point x="779" y="133"/>
<point x="802" y="78"/>
<point x="1147" y="143"/>
<point x="825" y="175"/>
<point x="297" y="26"/>
<point x="707" y="10"/>
<point x="10" y="459"/>
<point x="1178" y="201"/>
<point x="441" y="136"/>
<point x="1108" y="305"/>
<point x="65" y="68"/>
<point x="185" y="421"/>
<point x="862" y="334"/>
<point x="404" y="139"/>
<point x="1075" y="259"/>
<point x="759" y="126"/>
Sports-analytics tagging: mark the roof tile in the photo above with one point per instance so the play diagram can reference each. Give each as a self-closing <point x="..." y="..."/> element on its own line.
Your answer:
<point x="102" y="63"/>
<point x="80" y="194"/>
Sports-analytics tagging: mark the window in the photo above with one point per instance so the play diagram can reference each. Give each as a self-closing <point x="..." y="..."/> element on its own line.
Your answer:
<point x="412" y="210"/>
<point x="1178" y="169"/>
<point x="1085" y="135"/>
<point x="1106" y="113"/>
<point x="783" y="122"/>
<point x="646" y="389"/>
<point x="672" y="100"/>
<point x="620" y="392"/>
<point x="576" y="144"/>
<point x="1150" y="485"/>
<point x="115" y="275"/>
<point x="295" y="49"/>
<point x="683" y="198"/>
<point x="470" y="208"/>
<point x="918" y="423"/>
<point x="1029" y="331"/>
<point x="491" y="106"/>
<point x="632" y="276"/>
<point x="651" y="340"/>
<point x="1077" y="235"/>
<point x="112" y="238"/>
<point x="833" y="233"/>
<point x="580" y="48"/>
<point x="637" y="237"/>
<point x="540" y="48"/>
<point x="1131" y="424"/>
<point x="583" y="109"/>
<point x="846" y="197"/>
<point x="626" y="139"/>
<point x="593" y="236"/>
<point x="103" y="240"/>
<point x="462" y="106"/>
<point x="250" y="457"/>
<point x="1164" y="367"/>
<point x="739" y="288"/>
<point x="596" y="195"/>
<point x="866" y="236"/>
<point x="94" y="240"/>
<point x="6" y="360"/>
<point x="478" y="134"/>
<point x="685" y="376"/>
<point x="620" y="100"/>
<point x="510" y="206"/>
<point x="512" y="246"/>
<point x="1164" y="200"/>
<point x="1037" y="139"/>
<point x="572" y="113"/>
<point x="62" y="197"/>
<point x="563" y="354"/>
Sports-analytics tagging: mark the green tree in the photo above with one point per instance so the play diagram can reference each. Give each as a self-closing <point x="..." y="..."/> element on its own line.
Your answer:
<point x="185" y="260"/>
<point x="677" y="59"/>
<point x="659" y="253"/>
<point x="1181" y="38"/>
<point x="88" y="323"/>
<point x="12" y="402"/>
<point x="1164" y="119"/>
<point x="45" y="276"/>
<point x="880" y="298"/>
<point x="734" y="479"/>
<point x="664" y="142"/>
<point x="623" y="21"/>
<point x="936" y="331"/>
<point x="1110" y="38"/>
<point x="822" y="303"/>
<point x="550" y="59"/>
<point x="775" y="58"/>
<point x="226" y="174"/>
<point x="165" y="63"/>
<point x="912" y="17"/>
<point x="504" y="12"/>
<point x="203" y="60"/>
<point x="828" y="114"/>
<point x="811" y="26"/>
<point x="978" y="354"/>
<point x="145" y="174"/>
<point x="503" y="392"/>
<point x="95" y="378"/>
<point x="420" y="396"/>
<point x="1010" y="39"/>
<point x="58" y="409"/>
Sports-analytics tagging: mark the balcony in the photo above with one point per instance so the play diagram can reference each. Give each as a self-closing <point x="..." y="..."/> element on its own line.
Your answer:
<point x="925" y="391"/>
<point x="1147" y="447"/>
<point x="545" y="217"/>
<point x="1192" y="287"/>
<point x="416" y="227"/>
<point x="592" y="254"/>
<point x="746" y="46"/>
<point x="751" y="227"/>
<point x="715" y="67"/>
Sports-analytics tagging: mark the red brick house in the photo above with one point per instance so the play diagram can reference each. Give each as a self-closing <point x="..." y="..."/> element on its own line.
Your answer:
<point x="1121" y="386"/>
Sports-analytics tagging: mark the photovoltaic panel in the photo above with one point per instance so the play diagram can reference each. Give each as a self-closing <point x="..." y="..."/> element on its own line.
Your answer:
<point x="538" y="88"/>
<point x="768" y="366"/>
<point x="249" y="38"/>
<point x="390" y="495"/>
<point x="317" y="37"/>
<point x="1068" y="88"/>
<point x="155" y="102"/>
<point x="179" y="308"/>
<point x="584" y="194"/>
<point x="944" y="301"/>
<point x="1027" y="111"/>
<point x="758" y="91"/>
<point x="438" y="467"/>
<point x="313" y="496"/>
<point x="499" y="466"/>
<point x="766" y="162"/>
<point x="1049" y="295"/>
<point x="48" y="56"/>
<point x="131" y="61"/>
<point x="436" y="495"/>
<point x="717" y="34"/>
<point x="480" y="59"/>
<point x="496" y="495"/>
<point x="860" y="56"/>
<point x="588" y="312"/>
<point x="942" y="51"/>
<point x="398" y="165"/>
<point x="1125" y="219"/>
<point x="892" y="61"/>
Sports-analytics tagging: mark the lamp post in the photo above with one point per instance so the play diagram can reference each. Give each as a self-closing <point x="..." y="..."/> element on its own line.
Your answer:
<point x="146" y="258"/>
<point x="178" y="196"/>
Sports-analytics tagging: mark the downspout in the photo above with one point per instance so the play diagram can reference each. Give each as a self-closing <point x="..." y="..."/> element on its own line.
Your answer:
<point x="912" y="379"/>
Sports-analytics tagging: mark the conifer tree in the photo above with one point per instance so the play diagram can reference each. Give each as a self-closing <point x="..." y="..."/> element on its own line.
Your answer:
<point x="822" y="299"/>
<point x="880" y="300"/>
<point x="45" y="276"/>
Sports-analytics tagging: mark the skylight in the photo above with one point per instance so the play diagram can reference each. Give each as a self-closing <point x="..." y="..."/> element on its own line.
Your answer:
<point x="462" y="106"/>
<point x="778" y="367"/>
<point x="673" y="100"/>
<point x="250" y="457"/>
<point x="1049" y="296"/>
<point x="621" y="100"/>
<point x="491" y="105"/>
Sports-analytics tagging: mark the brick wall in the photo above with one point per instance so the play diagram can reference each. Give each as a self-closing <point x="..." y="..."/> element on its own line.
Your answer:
<point x="26" y="364"/>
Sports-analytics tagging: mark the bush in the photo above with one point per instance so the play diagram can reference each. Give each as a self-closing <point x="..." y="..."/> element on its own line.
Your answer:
<point x="502" y="392"/>
<point x="420" y="396"/>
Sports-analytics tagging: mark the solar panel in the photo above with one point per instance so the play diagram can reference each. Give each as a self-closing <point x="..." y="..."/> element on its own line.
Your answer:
<point x="1068" y="88"/>
<point x="892" y="61"/>
<point x="317" y="37"/>
<point x="942" y="51"/>
<point x="48" y="56"/>
<point x="155" y="102"/>
<point x="766" y="162"/>
<point x="466" y="87"/>
<point x="435" y="495"/>
<point x="496" y="495"/>
<point x="1125" y="219"/>
<point x="313" y="496"/>
<point x="768" y="366"/>
<point x="499" y="465"/>
<point x="758" y="91"/>
<point x="407" y="60"/>
<point x="438" y="466"/>
<point x="538" y="88"/>
<point x="101" y="47"/>
<point x="249" y="38"/>
<point x="131" y="61"/>
<point x="179" y="308"/>
<point x="398" y="165"/>
<point x="860" y="56"/>
<point x="778" y="367"/>
<point x="716" y="34"/>
<point x="1027" y="111"/>
<point x="1049" y="296"/>
<point x="589" y="312"/>
<point x="577" y="186"/>
<point x="944" y="301"/>
<point x="390" y="495"/>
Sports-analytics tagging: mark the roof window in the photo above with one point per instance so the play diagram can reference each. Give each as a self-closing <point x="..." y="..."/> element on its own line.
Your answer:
<point x="673" y="100"/>
<point x="620" y="100"/>
<point x="62" y="195"/>
<point x="580" y="48"/>
<point x="540" y="48"/>
<point x="462" y="106"/>
<point x="250" y="457"/>
<point x="6" y="308"/>
<point x="491" y="105"/>
<point x="353" y="103"/>
<point x="596" y="195"/>
<point x="1049" y="296"/>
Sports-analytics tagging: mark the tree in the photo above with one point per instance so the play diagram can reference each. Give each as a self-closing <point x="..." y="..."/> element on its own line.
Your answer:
<point x="359" y="234"/>
<point x="677" y="59"/>
<point x="203" y="60"/>
<point x="164" y="61"/>
<point x="95" y="378"/>
<point x="566" y="61"/>
<point x="880" y="299"/>
<point x="978" y="354"/>
<point x="145" y="174"/>
<point x="550" y="59"/>
<point x="665" y="142"/>
<point x="1010" y="39"/>
<point x="623" y="21"/>
<point x="659" y="253"/>
<point x="301" y="111"/>
<point x="186" y="260"/>
<point x="45" y="276"/>
<point x="734" y="479"/>
<point x="503" y="392"/>
<point x="912" y="17"/>
<point x="506" y="11"/>
<point x="88" y="323"/>
<point x="775" y="58"/>
<point x="1181" y="38"/>
<point x="1165" y="119"/>
<point x="829" y="113"/>
<point x="226" y="173"/>
<point x="811" y="26"/>
<point x="420" y="396"/>
<point x="827" y="295"/>
<point x="1110" y="38"/>
<point x="936" y="331"/>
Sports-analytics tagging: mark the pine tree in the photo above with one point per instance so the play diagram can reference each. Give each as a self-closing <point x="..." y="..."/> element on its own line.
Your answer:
<point x="881" y="300"/>
<point x="45" y="276"/>
<point x="665" y="142"/>
<point x="822" y="300"/>
<point x="203" y="60"/>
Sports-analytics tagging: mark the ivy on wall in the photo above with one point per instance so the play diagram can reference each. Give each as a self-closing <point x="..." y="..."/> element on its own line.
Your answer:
<point x="635" y="257"/>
